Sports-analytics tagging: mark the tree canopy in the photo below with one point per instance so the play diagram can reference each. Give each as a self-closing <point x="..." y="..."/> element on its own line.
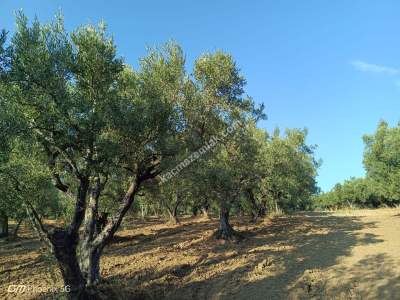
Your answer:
<point x="380" y="187"/>
<point x="84" y="136"/>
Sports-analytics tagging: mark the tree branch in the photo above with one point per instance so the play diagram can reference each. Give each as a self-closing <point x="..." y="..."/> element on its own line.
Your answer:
<point x="80" y="207"/>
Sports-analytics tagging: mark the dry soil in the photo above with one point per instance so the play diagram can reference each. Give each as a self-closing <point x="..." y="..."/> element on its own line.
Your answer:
<point x="319" y="255"/>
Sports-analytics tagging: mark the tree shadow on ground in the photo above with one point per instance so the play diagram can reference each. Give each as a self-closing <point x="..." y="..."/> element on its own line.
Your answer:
<point x="283" y="258"/>
<point x="169" y="236"/>
<point x="370" y="278"/>
<point x="20" y="245"/>
<point x="268" y="264"/>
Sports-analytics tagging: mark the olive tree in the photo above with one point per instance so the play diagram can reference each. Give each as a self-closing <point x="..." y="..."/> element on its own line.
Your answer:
<point x="92" y="117"/>
<point x="97" y="122"/>
<point x="382" y="162"/>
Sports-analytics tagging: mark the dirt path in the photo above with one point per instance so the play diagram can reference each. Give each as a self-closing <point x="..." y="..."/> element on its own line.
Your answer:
<point x="353" y="255"/>
<point x="348" y="255"/>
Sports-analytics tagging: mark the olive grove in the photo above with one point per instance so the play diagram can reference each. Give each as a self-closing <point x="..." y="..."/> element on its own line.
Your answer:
<point x="88" y="139"/>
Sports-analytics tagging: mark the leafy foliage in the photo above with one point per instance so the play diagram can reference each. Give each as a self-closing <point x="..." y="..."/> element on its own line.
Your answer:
<point x="381" y="186"/>
<point x="84" y="133"/>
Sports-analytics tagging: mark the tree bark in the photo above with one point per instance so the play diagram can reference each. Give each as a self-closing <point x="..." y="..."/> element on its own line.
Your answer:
<point x="64" y="249"/>
<point x="262" y="212"/>
<point x="195" y="210"/>
<point x="276" y="206"/>
<point x="173" y="217"/>
<point x="94" y="223"/>
<point x="255" y="209"/>
<point x="204" y="211"/>
<point x="173" y="209"/>
<point x="15" y="232"/>
<point x="80" y="275"/>
<point x="64" y="243"/>
<point x="3" y="225"/>
<point x="225" y="231"/>
<point x="92" y="248"/>
<point x="90" y="264"/>
<point x="113" y="224"/>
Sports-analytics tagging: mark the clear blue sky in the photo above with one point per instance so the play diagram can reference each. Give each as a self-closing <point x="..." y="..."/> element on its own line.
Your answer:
<point x="330" y="66"/>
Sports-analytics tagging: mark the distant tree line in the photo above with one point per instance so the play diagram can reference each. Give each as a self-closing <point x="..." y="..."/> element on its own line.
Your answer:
<point x="381" y="185"/>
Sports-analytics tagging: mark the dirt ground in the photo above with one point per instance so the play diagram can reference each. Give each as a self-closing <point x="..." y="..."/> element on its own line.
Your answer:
<point x="318" y="255"/>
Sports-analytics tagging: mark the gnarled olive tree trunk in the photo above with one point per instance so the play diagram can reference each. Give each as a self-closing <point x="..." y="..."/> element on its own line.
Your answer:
<point x="258" y="210"/>
<point x="254" y="208"/>
<point x="78" y="256"/>
<point x="89" y="263"/>
<point x="90" y="255"/>
<point x="204" y="211"/>
<point x="17" y="226"/>
<point x="173" y="215"/>
<point x="3" y="224"/>
<point x="64" y="244"/>
<point x="173" y="208"/>
<point x="225" y="230"/>
<point x="64" y="247"/>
